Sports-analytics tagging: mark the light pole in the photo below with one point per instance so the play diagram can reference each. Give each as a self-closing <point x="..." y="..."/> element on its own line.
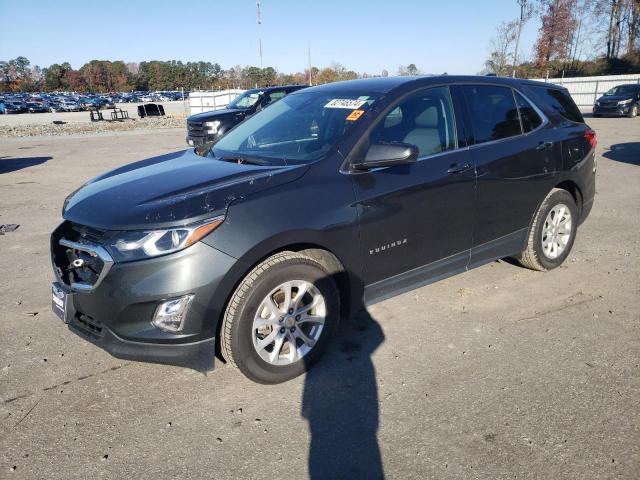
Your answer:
<point x="258" y="23"/>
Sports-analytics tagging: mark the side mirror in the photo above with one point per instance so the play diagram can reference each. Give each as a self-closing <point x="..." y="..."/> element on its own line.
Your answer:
<point x="387" y="155"/>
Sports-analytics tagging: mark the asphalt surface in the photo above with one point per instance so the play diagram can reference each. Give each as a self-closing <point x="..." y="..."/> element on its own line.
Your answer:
<point x="500" y="372"/>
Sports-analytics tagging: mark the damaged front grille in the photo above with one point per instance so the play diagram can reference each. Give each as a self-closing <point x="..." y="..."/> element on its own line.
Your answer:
<point x="196" y="129"/>
<point x="79" y="260"/>
<point x="87" y="325"/>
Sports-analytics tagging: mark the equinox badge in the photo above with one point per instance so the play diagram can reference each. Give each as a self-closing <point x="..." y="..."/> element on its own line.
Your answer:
<point x="388" y="246"/>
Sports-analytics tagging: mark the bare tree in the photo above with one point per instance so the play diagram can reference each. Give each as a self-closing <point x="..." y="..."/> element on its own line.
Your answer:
<point x="501" y="43"/>
<point x="633" y="26"/>
<point x="526" y="12"/>
<point x="408" y="70"/>
<point x="616" y="10"/>
<point x="582" y="14"/>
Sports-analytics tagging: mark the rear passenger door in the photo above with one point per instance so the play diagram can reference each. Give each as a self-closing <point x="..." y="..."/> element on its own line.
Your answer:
<point x="417" y="214"/>
<point x="515" y="152"/>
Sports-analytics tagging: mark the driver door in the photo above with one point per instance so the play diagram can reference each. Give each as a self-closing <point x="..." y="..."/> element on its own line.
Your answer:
<point x="416" y="220"/>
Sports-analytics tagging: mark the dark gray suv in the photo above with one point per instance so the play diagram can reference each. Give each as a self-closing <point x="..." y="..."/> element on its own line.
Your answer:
<point x="332" y="198"/>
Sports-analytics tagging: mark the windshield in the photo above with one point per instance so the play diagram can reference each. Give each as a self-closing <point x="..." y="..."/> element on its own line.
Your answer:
<point x="624" y="90"/>
<point x="247" y="100"/>
<point x="299" y="128"/>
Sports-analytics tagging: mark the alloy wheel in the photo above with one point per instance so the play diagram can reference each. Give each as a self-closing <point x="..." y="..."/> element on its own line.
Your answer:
<point x="557" y="231"/>
<point x="288" y="322"/>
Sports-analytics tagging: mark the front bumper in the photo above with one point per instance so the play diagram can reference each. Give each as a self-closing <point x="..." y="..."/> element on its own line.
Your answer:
<point x="116" y="315"/>
<point x="613" y="111"/>
<point x="197" y="355"/>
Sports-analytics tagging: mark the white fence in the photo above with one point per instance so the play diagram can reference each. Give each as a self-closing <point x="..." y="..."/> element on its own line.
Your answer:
<point x="585" y="90"/>
<point x="207" y="101"/>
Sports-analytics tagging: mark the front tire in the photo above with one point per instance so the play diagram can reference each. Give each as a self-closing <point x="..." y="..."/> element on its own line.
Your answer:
<point x="633" y="112"/>
<point x="552" y="233"/>
<point x="280" y="318"/>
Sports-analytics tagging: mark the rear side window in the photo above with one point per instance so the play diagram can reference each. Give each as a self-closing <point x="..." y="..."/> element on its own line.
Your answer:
<point x="530" y="119"/>
<point x="561" y="102"/>
<point x="493" y="112"/>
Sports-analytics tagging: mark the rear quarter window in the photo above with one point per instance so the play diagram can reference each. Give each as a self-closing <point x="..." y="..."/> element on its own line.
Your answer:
<point x="528" y="116"/>
<point x="560" y="102"/>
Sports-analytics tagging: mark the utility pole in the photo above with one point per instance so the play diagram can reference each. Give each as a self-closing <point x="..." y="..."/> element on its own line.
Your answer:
<point x="309" y="58"/>
<point x="525" y="13"/>
<point x="258" y="23"/>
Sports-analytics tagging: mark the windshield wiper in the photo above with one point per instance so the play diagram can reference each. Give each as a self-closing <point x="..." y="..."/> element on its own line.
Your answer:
<point x="244" y="160"/>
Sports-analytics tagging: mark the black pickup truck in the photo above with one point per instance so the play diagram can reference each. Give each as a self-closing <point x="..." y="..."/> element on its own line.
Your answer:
<point x="204" y="129"/>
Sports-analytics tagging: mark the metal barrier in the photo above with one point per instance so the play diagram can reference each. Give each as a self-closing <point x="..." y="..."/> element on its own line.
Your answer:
<point x="586" y="90"/>
<point x="119" y="114"/>
<point x="207" y="101"/>
<point x="96" y="115"/>
<point x="150" y="110"/>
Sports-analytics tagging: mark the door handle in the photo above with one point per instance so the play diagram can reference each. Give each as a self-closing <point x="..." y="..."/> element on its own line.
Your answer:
<point x="458" y="168"/>
<point x="544" y="145"/>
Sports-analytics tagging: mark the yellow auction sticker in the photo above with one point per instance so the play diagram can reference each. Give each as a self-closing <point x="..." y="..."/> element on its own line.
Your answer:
<point x="356" y="114"/>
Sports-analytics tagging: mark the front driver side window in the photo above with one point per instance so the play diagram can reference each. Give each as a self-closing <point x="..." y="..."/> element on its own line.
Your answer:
<point x="272" y="97"/>
<point x="425" y="120"/>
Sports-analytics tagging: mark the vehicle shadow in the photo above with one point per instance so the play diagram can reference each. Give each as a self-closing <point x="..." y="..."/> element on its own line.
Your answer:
<point x="624" y="152"/>
<point x="340" y="402"/>
<point x="8" y="165"/>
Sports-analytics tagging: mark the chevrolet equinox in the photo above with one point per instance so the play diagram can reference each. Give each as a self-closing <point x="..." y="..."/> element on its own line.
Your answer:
<point x="335" y="197"/>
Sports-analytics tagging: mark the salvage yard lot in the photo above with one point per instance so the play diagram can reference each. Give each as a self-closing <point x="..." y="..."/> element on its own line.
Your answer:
<point x="500" y="372"/>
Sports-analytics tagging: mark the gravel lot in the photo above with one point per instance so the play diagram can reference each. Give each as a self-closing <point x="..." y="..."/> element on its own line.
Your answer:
<point x="170" y="108"/>
<point x="79" y="123"/>
<point x="497" y="373"/>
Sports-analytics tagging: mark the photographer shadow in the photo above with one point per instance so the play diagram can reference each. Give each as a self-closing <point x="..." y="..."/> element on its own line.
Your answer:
<point x="340" y="402"/>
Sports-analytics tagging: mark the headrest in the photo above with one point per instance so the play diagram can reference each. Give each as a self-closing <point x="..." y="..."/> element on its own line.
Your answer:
<point x="428" y="118"/>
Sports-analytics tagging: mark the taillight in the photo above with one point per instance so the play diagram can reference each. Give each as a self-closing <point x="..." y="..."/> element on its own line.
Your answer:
<point x="590" y="136"/>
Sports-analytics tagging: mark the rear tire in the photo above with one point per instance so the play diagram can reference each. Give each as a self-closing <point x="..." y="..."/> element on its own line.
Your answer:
<point x="266" y="333"/>
<point x="552" y="233"/>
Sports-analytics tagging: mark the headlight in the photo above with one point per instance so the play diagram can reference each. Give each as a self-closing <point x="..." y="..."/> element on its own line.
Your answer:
<point x="137" y="245"/>
<point x="624" y="102"/>
<point x="212" y="125"/>
<point x="597" y="103"/>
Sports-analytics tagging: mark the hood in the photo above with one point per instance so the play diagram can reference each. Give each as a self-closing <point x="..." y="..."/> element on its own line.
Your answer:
<point x="216" y="114"/>
<point x="170" y="190"/>
<point x="615" y="98"/>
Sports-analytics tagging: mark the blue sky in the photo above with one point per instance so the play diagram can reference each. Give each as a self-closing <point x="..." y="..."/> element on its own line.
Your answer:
<point x="365" y="36"/>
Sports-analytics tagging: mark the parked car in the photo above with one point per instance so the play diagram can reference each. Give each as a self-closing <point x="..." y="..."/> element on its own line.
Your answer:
<point x="33" y="107"/>
<point x="623" y="100"/>
<point x="70" y="106"/>
<point x="86" y="103"/>
<point x="334" y="197"/>
<point x="203" y="129"/>
<point x="55" y="106"/>
<point x="13" y="107"/>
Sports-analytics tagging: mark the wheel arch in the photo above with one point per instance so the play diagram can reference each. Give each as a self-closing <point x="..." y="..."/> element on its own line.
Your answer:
<point x="567" y="185"/>
<point x="573" y="188"/>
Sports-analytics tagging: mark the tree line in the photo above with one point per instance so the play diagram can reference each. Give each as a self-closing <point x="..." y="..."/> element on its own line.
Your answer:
<point x="18" y="75"/>
<point x="575" y="38"/>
